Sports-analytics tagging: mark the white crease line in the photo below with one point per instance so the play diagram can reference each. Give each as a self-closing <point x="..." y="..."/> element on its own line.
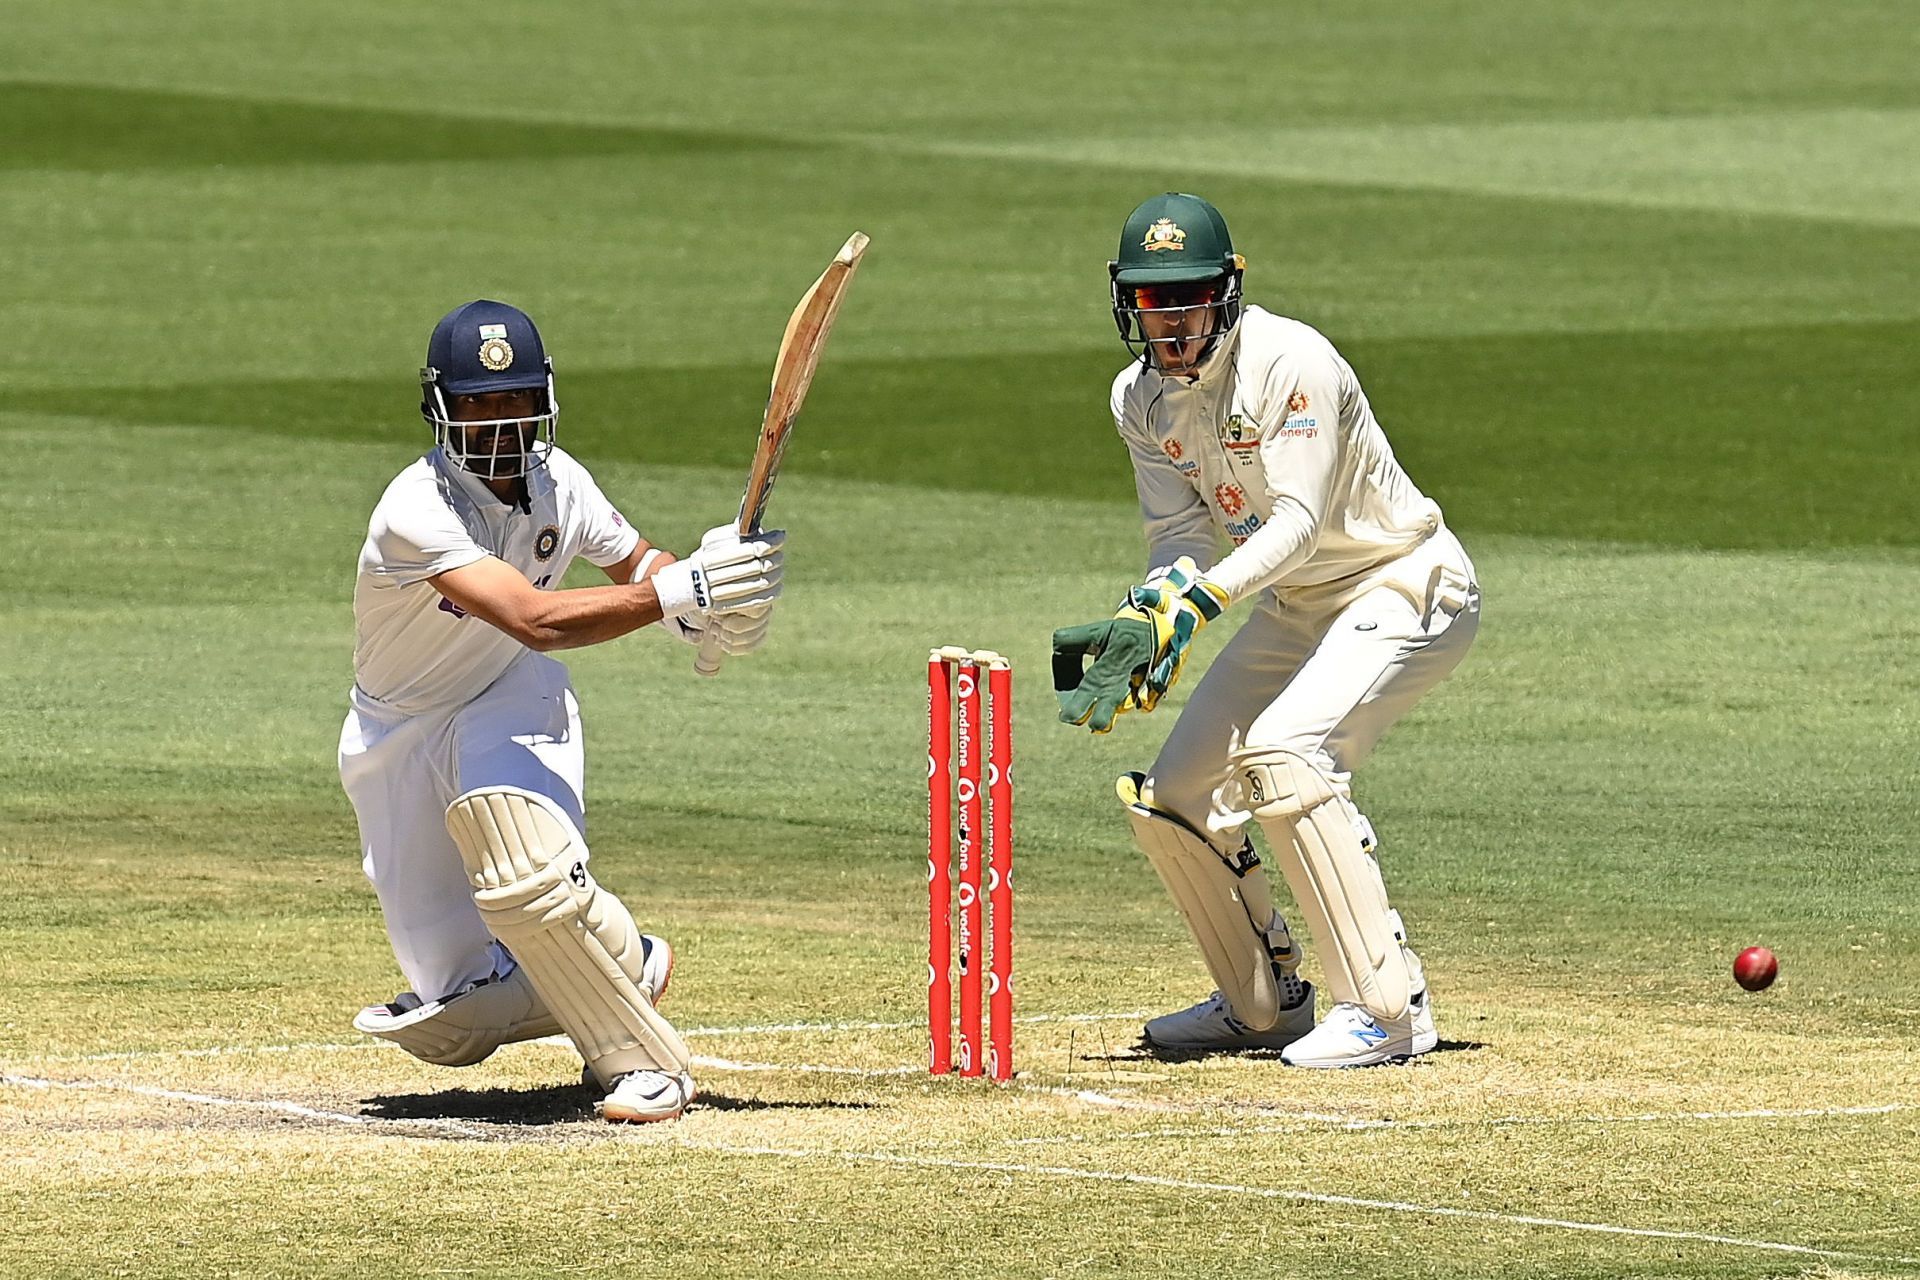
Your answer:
<point x="1306" y="1120"/>
<point x="1311" y="1197"/>
<point x="728" y="1064"/>
<point x="770" y="1028"/>
<point x="251" y="1104"/>
<point x="1052" y="1171"/>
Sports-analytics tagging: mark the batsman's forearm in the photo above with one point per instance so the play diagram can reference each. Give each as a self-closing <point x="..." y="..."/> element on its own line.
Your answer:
<point x="588" y="615"/>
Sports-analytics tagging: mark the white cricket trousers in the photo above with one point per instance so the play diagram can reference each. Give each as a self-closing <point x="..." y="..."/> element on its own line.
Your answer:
<point x="401" y="772"/>
<point x="1324" y="672"/>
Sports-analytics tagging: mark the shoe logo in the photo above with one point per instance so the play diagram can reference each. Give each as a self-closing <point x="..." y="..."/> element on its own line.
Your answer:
<point x="1371" y="1033"/>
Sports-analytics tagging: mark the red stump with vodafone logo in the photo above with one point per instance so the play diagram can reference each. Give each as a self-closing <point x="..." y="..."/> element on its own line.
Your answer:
<point x="970" y="777"/>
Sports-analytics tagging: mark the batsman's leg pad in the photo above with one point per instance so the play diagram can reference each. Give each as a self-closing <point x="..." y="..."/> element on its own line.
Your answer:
<point x="527" y="864"/>
<point x="1318" y="836"/>
<point x="1228" y="907"/>
<point x="465" y="1027"/>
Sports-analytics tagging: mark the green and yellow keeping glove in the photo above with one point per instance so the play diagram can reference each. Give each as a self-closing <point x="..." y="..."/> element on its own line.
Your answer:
<point x="1138" y="654"/>
<point x="1176" y="604"/>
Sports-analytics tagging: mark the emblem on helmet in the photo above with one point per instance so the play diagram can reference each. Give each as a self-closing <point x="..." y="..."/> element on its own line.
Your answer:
<point x="1164" y="235"/>
<point x="496" y="353"/>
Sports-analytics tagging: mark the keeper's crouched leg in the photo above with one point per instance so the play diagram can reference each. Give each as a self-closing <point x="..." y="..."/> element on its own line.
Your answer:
<point x="1245" y="942"/>
<point x="1316" y="835"/>
<point x="527" y="864"/>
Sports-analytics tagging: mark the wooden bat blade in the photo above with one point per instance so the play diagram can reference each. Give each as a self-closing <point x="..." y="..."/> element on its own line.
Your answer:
<point x="793" y="369"/>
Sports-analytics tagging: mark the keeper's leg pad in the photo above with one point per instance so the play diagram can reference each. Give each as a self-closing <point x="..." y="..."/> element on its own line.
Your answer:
<point x="526" y="862"/>
<point x="465" y="1027"/>
<point x="1227" y="905"/>
<point x="1315" y="832"/>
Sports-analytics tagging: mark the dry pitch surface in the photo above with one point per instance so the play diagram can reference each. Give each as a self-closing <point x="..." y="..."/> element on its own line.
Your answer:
<point x="1542" y="1130"/>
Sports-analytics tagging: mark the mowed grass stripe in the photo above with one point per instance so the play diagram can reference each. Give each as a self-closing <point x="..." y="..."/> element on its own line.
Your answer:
<point x="109" y="128"/>
<point x="998" y="70"/>
<point x="1841" y="164"/>
<point x="1745" y="438"/>
<point x="330" y="270"/>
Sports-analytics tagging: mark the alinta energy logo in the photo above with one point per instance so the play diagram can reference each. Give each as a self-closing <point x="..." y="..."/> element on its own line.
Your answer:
<point x="1173" y="448"/>
<point x="1232" y="499"/>
<point x="1297" y="402"/>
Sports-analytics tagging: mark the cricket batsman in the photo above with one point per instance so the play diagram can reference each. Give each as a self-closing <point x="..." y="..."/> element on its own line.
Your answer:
<point x="462" y="752"/>
<point x="1246" y="425"/>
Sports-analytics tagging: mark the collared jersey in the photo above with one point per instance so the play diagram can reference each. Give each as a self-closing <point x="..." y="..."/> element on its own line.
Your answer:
<point x="1275" y="447"/>
<point x="414" y="650"/>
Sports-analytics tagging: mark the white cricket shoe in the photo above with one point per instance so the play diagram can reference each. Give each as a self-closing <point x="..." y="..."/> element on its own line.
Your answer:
<point x="1352" y="1037"/>
<point x="1211" y="1025"/>
<point x="656" y="967"/>
<point x="642" y="1097"/>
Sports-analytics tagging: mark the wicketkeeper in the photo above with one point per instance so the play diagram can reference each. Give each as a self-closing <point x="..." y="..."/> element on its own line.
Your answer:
<point x="462" y="751"/>
<point x="1245" y="424"/>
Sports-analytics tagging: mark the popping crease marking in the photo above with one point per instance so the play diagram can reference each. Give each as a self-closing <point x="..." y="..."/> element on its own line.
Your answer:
<point x="270" y="1105"/>
<point x="1302" y="1121"/>
<point x="1052" y="1171"/>
<point x="1282" y="1193"/>
<point x="769" y="1028"/>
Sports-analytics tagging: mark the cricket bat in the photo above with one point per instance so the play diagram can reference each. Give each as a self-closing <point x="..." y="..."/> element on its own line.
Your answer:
<point x="800" y="348"/>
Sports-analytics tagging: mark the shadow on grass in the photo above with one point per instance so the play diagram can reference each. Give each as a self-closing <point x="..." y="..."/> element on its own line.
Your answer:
<point x="1144" y="1050"/>
<point x="556" y="1104"/>
<point x="549" y="1104"/>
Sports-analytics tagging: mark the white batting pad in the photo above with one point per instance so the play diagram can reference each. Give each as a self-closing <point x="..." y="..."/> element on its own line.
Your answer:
<point x="527" y="865"/>
<point x="466" y="1027"/>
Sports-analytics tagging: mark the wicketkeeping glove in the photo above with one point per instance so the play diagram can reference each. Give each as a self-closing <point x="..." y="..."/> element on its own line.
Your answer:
<point x="1176" y="605"/>
<point x="1138" y="654"/>
<point x="1121" y="649"/>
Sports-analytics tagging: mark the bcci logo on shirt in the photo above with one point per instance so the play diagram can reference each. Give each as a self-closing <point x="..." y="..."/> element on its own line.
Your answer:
<point x="547" y="543"/>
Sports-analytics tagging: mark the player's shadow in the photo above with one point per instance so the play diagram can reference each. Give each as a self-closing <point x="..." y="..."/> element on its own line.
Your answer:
<point x="1144" y="1050"/>
<point x="549" y="1104"/>
<point x="556" y="1104"/>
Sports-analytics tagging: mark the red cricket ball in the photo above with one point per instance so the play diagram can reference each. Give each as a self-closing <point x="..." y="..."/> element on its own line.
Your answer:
<point x="1755" y="968"/>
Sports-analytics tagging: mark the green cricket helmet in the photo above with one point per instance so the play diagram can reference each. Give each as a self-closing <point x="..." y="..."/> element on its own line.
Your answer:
<point x="1176" y="256"/>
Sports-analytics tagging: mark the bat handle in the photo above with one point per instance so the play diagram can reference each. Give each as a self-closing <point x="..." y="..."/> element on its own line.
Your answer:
<point x="707" y="661"/>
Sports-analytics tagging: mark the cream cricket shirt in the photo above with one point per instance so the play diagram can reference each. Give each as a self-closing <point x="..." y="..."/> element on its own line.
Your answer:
<point x="414" y="651"/>
<point x="1273" y="445"/>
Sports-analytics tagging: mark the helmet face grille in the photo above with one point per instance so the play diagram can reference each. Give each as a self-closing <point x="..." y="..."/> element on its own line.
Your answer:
<point x="1131" y="303"/>
<point x="474" y="445"/>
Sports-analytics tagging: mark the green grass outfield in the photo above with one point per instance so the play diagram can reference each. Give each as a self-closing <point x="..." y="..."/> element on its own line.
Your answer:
<point x="1636" y="293"/>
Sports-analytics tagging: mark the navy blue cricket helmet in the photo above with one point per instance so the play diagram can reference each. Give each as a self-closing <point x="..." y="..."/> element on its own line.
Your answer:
<point x="477" y="348"/>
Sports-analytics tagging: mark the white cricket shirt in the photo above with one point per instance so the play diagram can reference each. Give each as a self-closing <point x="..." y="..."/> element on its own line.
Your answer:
<point x="1274" y="446"/>
<point x="414" y="650"/>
